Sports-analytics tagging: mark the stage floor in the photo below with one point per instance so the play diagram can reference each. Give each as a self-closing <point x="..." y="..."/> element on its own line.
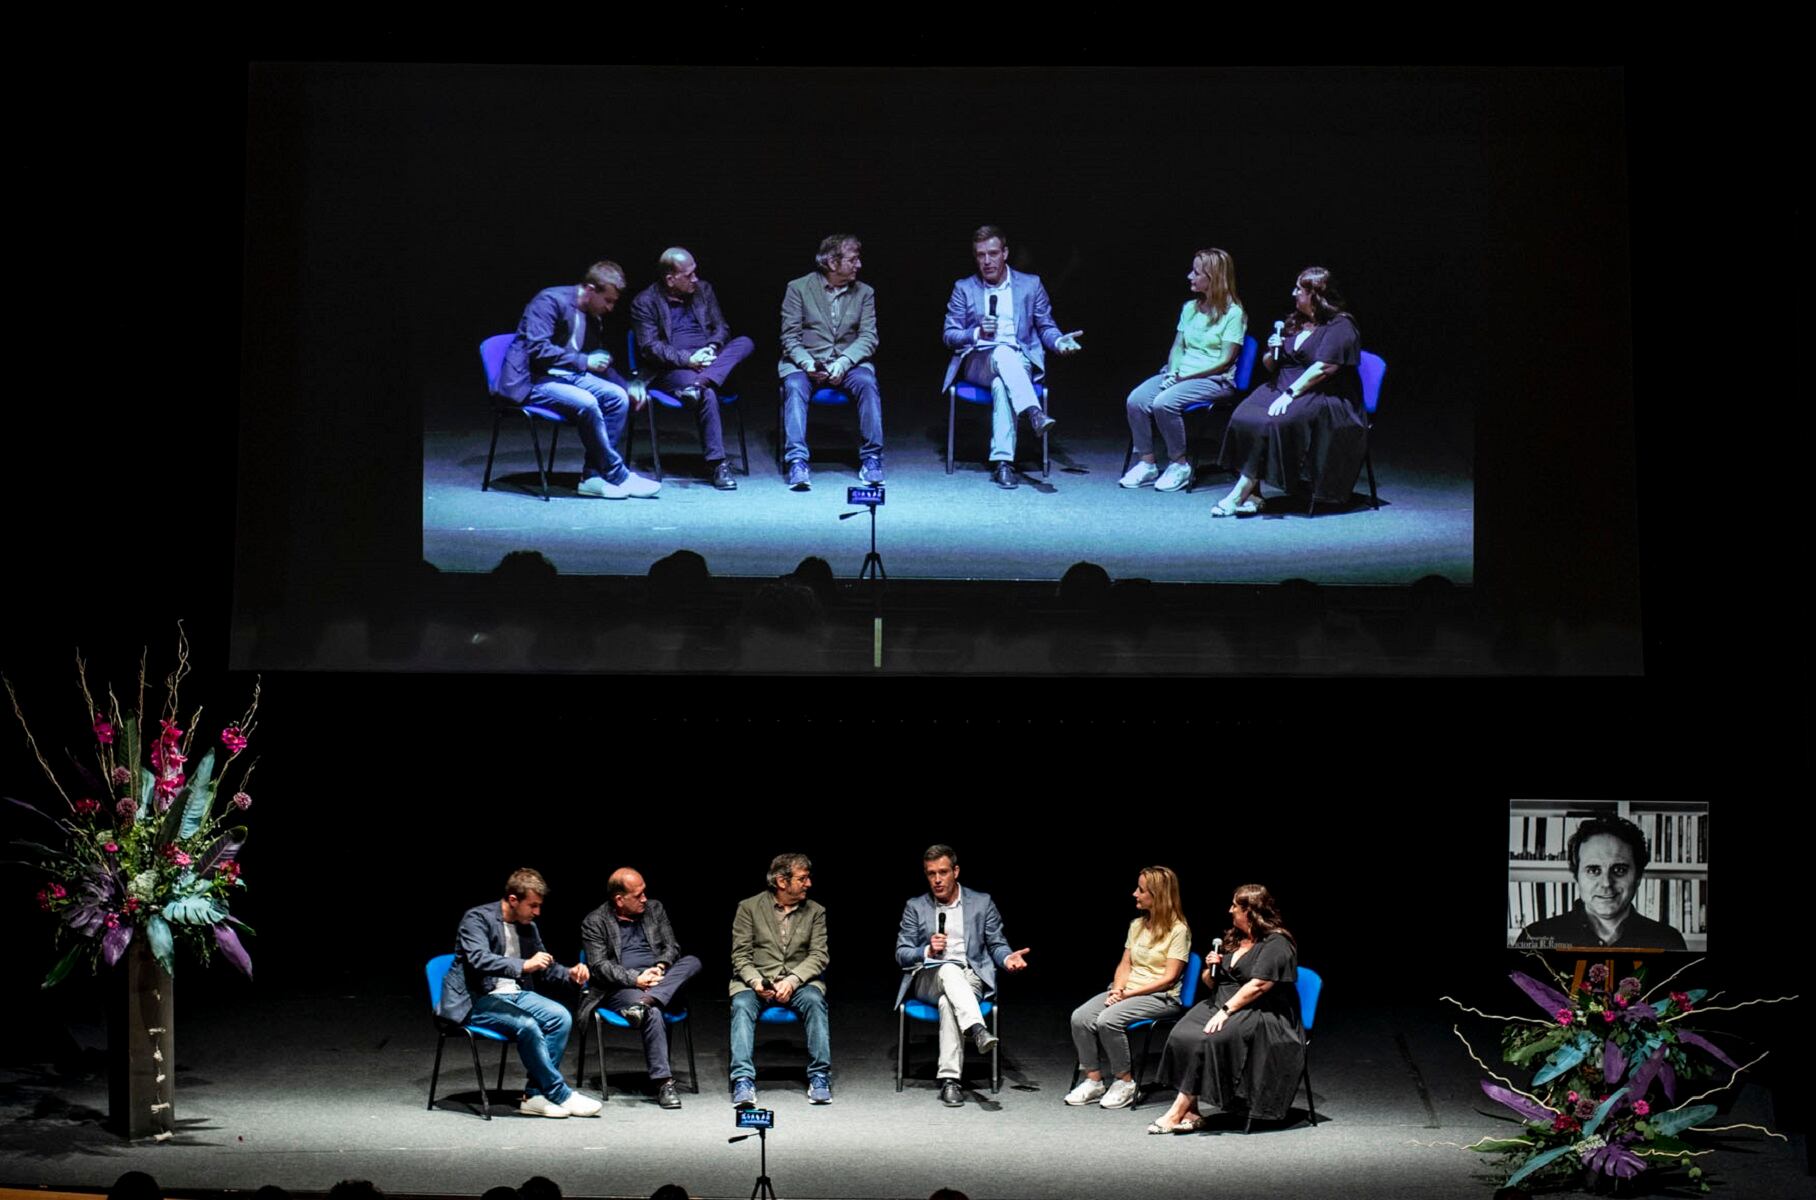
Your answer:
<point x="302" y="1091"/>
<point x="939" y="526"/>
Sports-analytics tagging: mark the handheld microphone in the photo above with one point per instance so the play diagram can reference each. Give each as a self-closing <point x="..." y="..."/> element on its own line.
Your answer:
<point x="993" y="304"/>
<point x="942" y="927"/>
<point x="1216" y="947"/>
<point x="1280" y="332"/>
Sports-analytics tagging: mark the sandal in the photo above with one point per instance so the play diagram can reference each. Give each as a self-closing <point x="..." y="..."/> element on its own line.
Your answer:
<point x="1220" y="509"/>
<point x="1191" y="1123"/>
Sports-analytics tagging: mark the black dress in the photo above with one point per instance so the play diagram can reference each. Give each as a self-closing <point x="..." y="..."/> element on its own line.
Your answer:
<point x="1320" y="439"/>
<point x="1253" y="1063"/>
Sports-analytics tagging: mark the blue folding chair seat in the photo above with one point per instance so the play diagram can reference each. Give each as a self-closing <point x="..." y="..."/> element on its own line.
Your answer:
<point x="491" y="358"/>
<point x="437" y="970"/>
<point x="971" y="393"/>
<point x="606" y="1018"/>
<point x="929" y="1014"/>
<point x="827" y="396"/>
<point x="661" y="399"/>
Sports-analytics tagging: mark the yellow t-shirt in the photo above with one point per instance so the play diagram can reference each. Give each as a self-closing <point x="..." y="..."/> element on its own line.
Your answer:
<point x="1206" y="341"/>
<point x="1148" y="958"/>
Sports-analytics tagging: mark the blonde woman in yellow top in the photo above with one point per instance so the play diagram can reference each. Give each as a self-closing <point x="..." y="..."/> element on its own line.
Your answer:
<point x="1146" y="985"/>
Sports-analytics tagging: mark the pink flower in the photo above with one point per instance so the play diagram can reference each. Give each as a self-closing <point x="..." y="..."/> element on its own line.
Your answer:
<point x="175" y="855"/>
<point x="1598" y="972"/>
<point x="1683" y="1000"/>
<point x="103" y="730"/>
<point x="1608" y="1017"/>
<point x="87" y="808"/>
<point x="1641" y="1108"/>
<point x="111" y="847"/>
<point x="1565" y="1016"/>
<point x="131" y="906"/>
<point x="112" y="920"/>
<point x="1571" y="1097"/>
<point x="49" y="895"/>
<point x="1564" y="1122"/>
<point x="171" y="734"/>
<point x="121" y="776"/>
<point x="233" y="739"/>
<point x="231" y="869"/>
<point x="1621" y="1001"/>
<point x="242" y="801"/>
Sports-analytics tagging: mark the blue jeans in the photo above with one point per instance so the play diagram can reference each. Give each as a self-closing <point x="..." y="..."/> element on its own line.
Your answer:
<point x="860" y="381"/>
<point x="540" y="1028"/>
<point x="810" y="1002"/>
<point x="597" y="408"/>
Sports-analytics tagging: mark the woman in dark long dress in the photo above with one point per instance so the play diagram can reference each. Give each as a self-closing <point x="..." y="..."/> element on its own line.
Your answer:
<point x="1306" y="427"/>
<point x="1242" y="1050"/>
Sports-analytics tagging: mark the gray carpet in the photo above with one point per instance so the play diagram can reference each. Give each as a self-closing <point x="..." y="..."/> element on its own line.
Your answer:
<point x="303" y="1091"/>
<point x="939" y="526"/>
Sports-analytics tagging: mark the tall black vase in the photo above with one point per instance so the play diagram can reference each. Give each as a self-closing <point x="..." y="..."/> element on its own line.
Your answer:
<point x="141" y="1045"/>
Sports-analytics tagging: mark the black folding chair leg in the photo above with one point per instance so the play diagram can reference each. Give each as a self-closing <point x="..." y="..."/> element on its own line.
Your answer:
<point x="436" y="1073"/>
<point x="479" y="1074"/>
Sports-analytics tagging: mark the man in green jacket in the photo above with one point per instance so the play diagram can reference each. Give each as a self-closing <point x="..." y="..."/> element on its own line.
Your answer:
<point x="778" y="959"/>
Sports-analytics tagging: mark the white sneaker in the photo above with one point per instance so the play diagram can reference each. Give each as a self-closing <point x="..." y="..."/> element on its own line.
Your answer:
<point x="597" y="486"/>
<point x="541" y="1106"/>
<point x="1122" y="1093"/>
<point x="1177" y="475"/>
<point x="1141" y="474"/>
<point x="1088" y="1091"/>
<point x="579" y="1104"/>
<point x="638" y="487"/>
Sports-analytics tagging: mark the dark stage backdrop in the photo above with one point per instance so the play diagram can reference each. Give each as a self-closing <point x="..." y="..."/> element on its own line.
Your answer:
<point x="398" y="214"/>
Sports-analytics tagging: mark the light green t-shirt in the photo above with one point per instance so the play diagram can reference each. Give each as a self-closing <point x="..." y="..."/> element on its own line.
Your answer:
<point x="1207" y="340"/>
<point x="1148" y="958"/>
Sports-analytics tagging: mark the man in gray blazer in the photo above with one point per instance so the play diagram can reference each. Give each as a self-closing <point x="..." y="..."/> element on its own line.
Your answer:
<point x="949" y="948"/>
<point x="828" y="337"/>
<point x="489" y="984"/>
<point x="999" y="327"/>
<point x="779" y="956"/>
<point x="632" y="951"/>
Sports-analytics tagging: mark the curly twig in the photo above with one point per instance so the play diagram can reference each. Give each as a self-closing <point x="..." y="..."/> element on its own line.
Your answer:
<point x="1699" y="1009"/>
<point x="1673" y="975"/>
<point x="1492" y="1016"/>
<point x="1725" y="1128"/>
<point x="1501" y="1078"/>
<point x="1724" y="1087"/>
<point x="33" y="742"/>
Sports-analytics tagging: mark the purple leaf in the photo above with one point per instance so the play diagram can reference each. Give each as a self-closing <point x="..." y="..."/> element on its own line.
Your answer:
<point x="1543" y="994"/>
<point x="1518" y="1103"/>
<point x="221" y="852"/>
<point x="33" y="808"/>
<point x="1703" y="1043"/>
<point x="1616" y="1160"/>
<point x="114" y="944"/>
<point x="1614" y="1063"/>
<point x="229" y="942"/>
<point x="1640" y="1012"/>
<point x="1644" y="1073"/>
<point x="1668" y="1077"/>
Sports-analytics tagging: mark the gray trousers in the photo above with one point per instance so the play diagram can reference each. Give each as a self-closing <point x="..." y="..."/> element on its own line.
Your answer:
<point x="1096" y="1024"/>
<point x="955" y="988"/>
<point x="1149" y="406"/>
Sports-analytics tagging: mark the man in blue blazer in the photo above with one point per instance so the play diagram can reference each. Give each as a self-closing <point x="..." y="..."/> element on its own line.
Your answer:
<point x="949" y="948"/>
<point x="557" y="362"/>
<point x="999" y="327"/>
<point x="488" y="986"/>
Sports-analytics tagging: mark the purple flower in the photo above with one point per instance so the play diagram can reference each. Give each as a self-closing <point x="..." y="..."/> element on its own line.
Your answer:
<point x="242" y="801"/>
<point x="126" y="809"/>
<point x="1630" y="986"/>
<point x="1598" y="974"/>
<point x="121" y="776"/>
<point x="233" y="739"/>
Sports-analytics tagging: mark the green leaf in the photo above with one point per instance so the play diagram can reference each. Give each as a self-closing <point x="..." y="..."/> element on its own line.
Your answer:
<point x="1566" y="1058"/>
<point x="1499" y="1146"/>
<point x="163" y="945"/>
<point x="1544" y="1045"/>
<point x="201" y="794"/>
<point x="1601" y="1112"/>
<point x="1680" y="1119"/>
<point x="1537" y="1161"/>
<point x="63" y="966"/>
<point x="197" y="909"/>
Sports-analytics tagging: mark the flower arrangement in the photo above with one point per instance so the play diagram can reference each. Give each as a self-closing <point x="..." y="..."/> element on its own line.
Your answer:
<point x="1611" y="1062"/>
<point x="144" y="849"/>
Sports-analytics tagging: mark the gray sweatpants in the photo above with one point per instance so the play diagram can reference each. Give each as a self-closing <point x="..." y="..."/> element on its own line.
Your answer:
<point x="1096" y="1024"/>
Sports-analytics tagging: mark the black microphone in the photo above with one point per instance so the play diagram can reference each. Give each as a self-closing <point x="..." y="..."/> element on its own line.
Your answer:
<point x="942" y="927"/>
<point x="993" y="306"/>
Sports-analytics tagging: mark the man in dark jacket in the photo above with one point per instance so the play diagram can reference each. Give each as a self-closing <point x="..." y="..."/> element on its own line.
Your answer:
<point x="488" y="986"/>
<point x="558" y="362"/>
<point x="689" y="348"/>
<point x="632" y="951"/>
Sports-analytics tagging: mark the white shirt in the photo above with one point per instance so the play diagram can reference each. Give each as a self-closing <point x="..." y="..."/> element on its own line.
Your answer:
<point x="1005" y="308"/>
<point x="513" y="948"/>
<point x="955" y="926"/>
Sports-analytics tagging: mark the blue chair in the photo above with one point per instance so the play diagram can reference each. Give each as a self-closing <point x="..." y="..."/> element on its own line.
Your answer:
<point x="774" y="1014"/>
<point x="1309" y="987"/>
<point x="437" y="970"/>
<point x="1245" y="371"/>
<point x="970" y="393"/>
<point x="929" y="1014"/>
<point x="1188" y="996"/>
<point x="605" y="1018"/>
<point x="662" y="399"/>
<point x="826" y="396"/>
<point x="491" y="357"/>
<point x="1372" y="368"/>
